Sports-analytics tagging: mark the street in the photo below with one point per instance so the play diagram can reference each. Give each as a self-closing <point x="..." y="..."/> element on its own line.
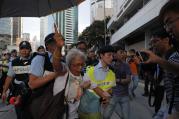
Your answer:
<point x="139" y="108"/>
<point x="7" y="112"/>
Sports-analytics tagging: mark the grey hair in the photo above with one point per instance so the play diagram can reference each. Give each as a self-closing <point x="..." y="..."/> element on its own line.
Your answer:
<point x="73" y="53"/>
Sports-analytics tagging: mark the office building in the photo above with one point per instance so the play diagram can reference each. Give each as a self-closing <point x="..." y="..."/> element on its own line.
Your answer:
<point x="133" y="22"/>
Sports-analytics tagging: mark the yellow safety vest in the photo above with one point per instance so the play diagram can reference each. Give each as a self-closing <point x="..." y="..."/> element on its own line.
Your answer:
<point x="107" y="83"/>
<point x="5" y="65"/>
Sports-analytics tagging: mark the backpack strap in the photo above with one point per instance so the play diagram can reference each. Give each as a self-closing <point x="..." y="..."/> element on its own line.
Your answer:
<point x="65" y="99"/>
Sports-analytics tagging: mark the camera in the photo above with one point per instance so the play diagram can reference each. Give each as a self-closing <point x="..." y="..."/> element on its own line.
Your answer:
<point x="143" y="55"/>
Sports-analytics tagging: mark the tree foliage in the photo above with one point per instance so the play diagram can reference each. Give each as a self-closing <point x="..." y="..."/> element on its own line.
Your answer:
<point x="94" y="34"/>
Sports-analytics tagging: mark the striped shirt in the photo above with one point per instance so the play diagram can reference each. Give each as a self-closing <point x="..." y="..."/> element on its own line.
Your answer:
<point x="171" y="79"/>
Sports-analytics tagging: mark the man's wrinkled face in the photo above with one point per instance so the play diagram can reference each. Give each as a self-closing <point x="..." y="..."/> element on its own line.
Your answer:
<point x="171" y="23"/>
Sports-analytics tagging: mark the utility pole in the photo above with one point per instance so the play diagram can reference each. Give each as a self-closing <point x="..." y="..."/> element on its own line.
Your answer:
<point x="104" y="22"/>
<point x="11" y="25"/>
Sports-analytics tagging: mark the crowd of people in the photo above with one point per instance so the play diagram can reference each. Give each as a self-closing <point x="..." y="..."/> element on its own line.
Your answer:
<point x="88" y="84"/>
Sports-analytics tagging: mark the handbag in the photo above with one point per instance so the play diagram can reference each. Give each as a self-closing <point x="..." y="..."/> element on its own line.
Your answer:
<point x="47" y="106"/>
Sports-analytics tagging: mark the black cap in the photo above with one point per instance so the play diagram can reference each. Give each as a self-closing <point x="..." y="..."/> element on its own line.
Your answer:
<point x="106" y="49"/>
<point x="25" y="44"/>
<point x="49" y="39"/>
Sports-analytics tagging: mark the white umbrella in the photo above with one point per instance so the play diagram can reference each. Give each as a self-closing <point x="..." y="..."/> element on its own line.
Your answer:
<point x="34" y="8"/>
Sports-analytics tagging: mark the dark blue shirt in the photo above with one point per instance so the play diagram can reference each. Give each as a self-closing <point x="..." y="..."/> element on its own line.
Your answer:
<point x="121" y="71"/>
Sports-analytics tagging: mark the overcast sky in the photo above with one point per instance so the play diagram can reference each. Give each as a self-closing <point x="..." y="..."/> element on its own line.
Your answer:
<point x="84" y="15"/>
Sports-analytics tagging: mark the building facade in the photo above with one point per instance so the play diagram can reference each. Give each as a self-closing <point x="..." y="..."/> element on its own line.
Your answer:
<point x="16" y="29"/>
<point x="26" y="36"/>
<point x="100" y="8"/>
<point x="67" y="22"/>
<point x="133" y="22"/>
<point x="45" y="28"/>
<point x="10" y="31"/>
<point x="5" y="32"/>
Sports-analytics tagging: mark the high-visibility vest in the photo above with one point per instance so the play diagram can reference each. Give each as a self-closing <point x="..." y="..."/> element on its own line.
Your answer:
<point x="5" y="65"/>
<point x="107" y="83"/>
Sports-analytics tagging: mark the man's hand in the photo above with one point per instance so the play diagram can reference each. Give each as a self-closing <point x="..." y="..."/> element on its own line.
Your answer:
<point x="106" y="94"/>
<point x="152" y="57"/>
<point x="17" y="100"/>
<point x="86" y="84"/>
<point x="106" y="98"/>
<point x="58" y="38"/>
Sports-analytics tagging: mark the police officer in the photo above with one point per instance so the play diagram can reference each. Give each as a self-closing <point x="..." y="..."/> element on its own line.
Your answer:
<point x="18" y="74"/>
<point x="41" y="74"/>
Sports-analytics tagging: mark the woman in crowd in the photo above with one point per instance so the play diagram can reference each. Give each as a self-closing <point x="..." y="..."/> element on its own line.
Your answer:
<point x="75" y="61"/>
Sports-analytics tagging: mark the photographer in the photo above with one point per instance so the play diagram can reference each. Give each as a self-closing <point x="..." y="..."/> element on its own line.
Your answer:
<point x="169" y="15"/>
<point x="18" y="73"/>
<point x="162" y="46"/>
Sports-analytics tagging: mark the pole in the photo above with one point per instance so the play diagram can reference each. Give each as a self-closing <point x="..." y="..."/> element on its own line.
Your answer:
<point x="11" y="24"/>
<point x="104" y="23"/>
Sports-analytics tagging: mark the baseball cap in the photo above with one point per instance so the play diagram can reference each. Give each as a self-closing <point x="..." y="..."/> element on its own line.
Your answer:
<point x="25" y="44"/>
<point x="49" y="39"/>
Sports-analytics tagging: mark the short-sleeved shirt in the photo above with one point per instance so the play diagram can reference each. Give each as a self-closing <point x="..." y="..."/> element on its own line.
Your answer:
<point x="171" y="79"/>
<point x="37" y="65"/>
<point x="121" y="69"/>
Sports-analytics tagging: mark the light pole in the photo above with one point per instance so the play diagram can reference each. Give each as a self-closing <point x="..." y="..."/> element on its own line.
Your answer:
<point x="104" y="23"/>
<point x="11" y="25"/>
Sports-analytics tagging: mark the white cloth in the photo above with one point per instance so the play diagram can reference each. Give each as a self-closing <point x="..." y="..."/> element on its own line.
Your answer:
<point x="59" y="84"/>
<point x="71" y="92"/>
<point x="73" y="86"/>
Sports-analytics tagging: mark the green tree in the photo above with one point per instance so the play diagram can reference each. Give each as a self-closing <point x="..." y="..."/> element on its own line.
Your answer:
<point x="94" y="34"/>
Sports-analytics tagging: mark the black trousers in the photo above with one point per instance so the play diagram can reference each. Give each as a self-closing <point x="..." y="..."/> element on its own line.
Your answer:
<point x="22" y="113"/>
<point x="147" y="78"/>
<point x="159" y="95"/>
<point x="2" y="80"/>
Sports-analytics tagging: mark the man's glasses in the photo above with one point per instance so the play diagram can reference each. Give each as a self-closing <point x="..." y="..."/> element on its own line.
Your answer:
<point x="169" y="24"/>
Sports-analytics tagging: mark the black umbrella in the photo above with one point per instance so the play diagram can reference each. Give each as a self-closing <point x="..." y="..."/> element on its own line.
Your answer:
<point x="34" y="8"/>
